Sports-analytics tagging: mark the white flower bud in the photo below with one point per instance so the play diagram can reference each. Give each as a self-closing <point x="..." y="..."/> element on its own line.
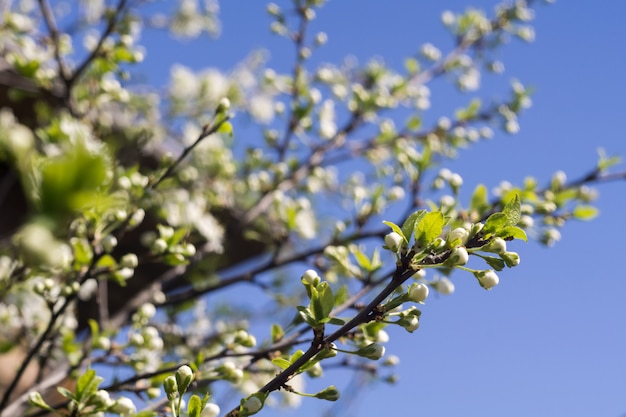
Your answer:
<point x="310" y="276"/>
<point x="526" y="221"/>
<point x="129" y="260"/>
<point x="171" y="387"/>
<point x="391" y="360"/>
<point x="444" y="286"/>
<point x="159" y="246"/>
<point x="487" y="279"/>
<point x="147" y="311"/>
<point x="410" y="323"/>
<point x="102" y="399"/>
<point x="124" y="406"/>
<point x="393" y="241"/>
<point x="223" y="106"/>
<point x="102" y="342"/>
<point x="456" y="180"/>
<point x="497" y="245"/>
<point x="184" y="375"/>
<point x="252" y="405"/>
<point x="210" y="410"/>
<point x="137" y="217"/>
<point x="459" y="256"/>
<point x="459" y="233"/>
<point x="418" y="292"/>
<point x="109" y="242"/>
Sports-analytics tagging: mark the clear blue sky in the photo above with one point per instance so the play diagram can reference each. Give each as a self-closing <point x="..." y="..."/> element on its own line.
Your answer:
<point x="550" y="340"/>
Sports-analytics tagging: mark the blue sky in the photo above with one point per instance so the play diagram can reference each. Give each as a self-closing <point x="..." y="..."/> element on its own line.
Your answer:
<point x="550" y="340"/>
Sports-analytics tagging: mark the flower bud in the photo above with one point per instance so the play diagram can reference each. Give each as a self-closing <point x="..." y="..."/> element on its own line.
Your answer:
<point x="410" y="323"/>
<point x="35" y="399"/>
<point x="526" y="221"/>
<point x="171" y="387"/>
<point x="120" y="215"/>
<point x="137" y="217"/>
<point x="109" y="242"/>
<point x="245" y="339"/>
<point x="124" y="406"/>
<point x="417" y="292"/>
<point x="510" y="258"/>
<point x="159" y="246"/>
<point x="210" y="410"/>
<point x="459" y="256"/>
<point x="223" y="106"/>
<point x="315" y="371"/>
<point x="457" y="237"/>
<point x="487" y="279"/>
<point x="129" y="260"/>
<point x="153" y="393"/>
<point x="393" y="241"/>
<point x="101" y="399"/>
<point x="391" y="360"/>
<point x="147" y="311"/>
<point x="251" y="405"/>
<point x="497" y="245"/>
<point x="184" y="376"/>
<point x="329" y="394"/>
<point x="444" y="286"/>
<point x="372" y="351"/>
<point x="102" y="342"/>
<point x="311" y="277"/>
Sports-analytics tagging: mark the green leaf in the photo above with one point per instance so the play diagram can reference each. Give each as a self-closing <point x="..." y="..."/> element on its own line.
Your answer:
<point x="512" y="211"/>
<point x="282" y="363"/>
<point x="83" y="253"/>
<point x="362" y="259"/>
<point x="512" y="232"/>
<point x="296" y="355"/>
<point x="194" y="408"/>
<point x="72" y="181"/>
<point x="335" y="321"/>
<point x="429" y="227"/>
<point x="175" y="259"/>
<point x="396" y="229"/>
<point x="470" y="112"/>
<point x="67" y="393"/>
<point x="87" y="384"/>
<point x="326" y="298"/>
<point x="342" y="294"/>
<point x="408" y="227"/>
<point x="226" y="128"/>
<point x="585" y="212"/>
<point x="494" y="222"/>
<point x="605" y="162"/>
<point x="178" y="236"/>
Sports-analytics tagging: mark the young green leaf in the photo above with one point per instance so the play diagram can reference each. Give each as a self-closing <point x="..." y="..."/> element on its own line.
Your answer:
<point x="512" y="211"/>
<point x="408" y="227"/>
<point x="512" y="232"/>
<point x="87" y="384"/>
<point x="585" y="212"/>
<point x="194" y="408"/>
<point x="429" y="227"/>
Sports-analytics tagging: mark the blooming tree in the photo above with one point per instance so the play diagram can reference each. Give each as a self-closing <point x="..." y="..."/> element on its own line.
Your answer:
<point x="127" y="207"/>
